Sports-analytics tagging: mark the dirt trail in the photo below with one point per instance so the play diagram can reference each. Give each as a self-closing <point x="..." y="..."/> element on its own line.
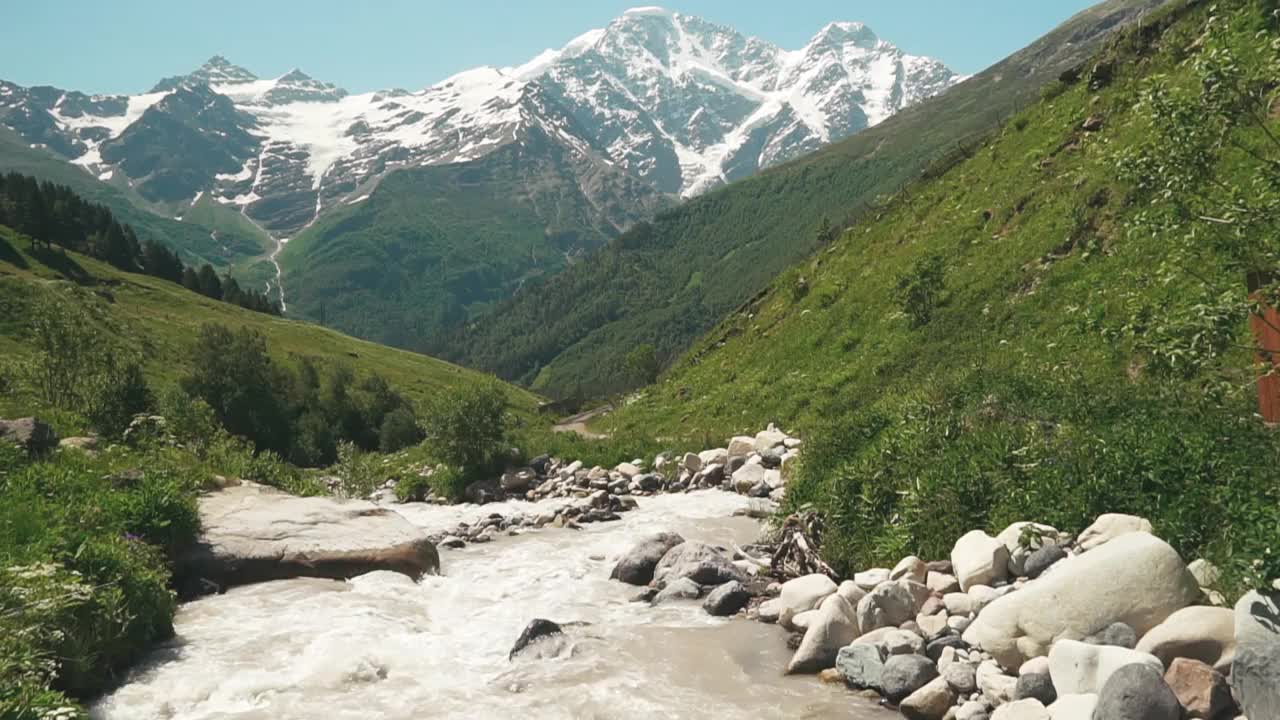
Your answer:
<point x="578" y="423"/>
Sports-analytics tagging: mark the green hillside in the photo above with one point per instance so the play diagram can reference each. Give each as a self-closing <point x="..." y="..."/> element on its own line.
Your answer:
<point x="433" y="246"/>
<point x="209" y="233"/>
<point x="161" y="319"/>
<point x="1054" y="328"/>
<point x="668" y="282"/>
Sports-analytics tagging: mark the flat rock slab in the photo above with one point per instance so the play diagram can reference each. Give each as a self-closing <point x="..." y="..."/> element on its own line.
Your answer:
<point x="252" y="533"/>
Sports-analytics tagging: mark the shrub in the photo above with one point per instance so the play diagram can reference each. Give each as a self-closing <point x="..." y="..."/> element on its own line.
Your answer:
<point x="399" y="430"/>
<point x="466" y="425"/>
<point x="920" y="290"/>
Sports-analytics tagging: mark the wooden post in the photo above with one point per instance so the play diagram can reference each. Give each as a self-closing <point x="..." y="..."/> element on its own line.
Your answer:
<point x="1266" y="333"/>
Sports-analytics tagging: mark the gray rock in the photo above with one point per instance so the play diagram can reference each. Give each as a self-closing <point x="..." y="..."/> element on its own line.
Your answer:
<point x="861" y="666"/>
<point x="1255" y="673"/>
<point x="31" y="434"/>
<point x="1207" y="634"/>
<point x="889" y="605"/>
<point x="727" y="599"/>
<point x="930" y="702"/>
<point x="697" y="561"/>
<point x="533" y="632"/>
<point x="962" y="676"/>
<point x="905" y="674"/>
<point x="1037" y="686"/>
<point x="1115" y="635"/>
<point x="252" y="533"/>
<point x="637" y="566"/>
<point x="1137" y="692"/>
<point x="679" y="589"/>
<point x="936" y="647"/>
<point x="832" y="627"/>
<point x="1043" y="559"/>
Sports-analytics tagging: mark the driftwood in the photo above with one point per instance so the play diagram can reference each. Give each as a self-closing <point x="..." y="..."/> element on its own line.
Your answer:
<point x="798" y="547"/>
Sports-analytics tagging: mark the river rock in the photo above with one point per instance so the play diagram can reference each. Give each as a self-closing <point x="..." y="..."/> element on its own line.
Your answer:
<point x="1073" y="707"/>
<point x="832" y="628"/>
<point x="962" y="676"/>
<point x="31" y="434"/>
<point x="979" y="559"/>
<point x="1115" y="635"/>
<point x="803" y="594"/>
<point x="1038" y="686"/>
<point x="697" y="561"/>
<point x="747" y="477"/>
<point x="483" y="492"/>
<point x="1202" y="691"/>
<point x="902" y="642"/>
<point x="889" y="605"/>
<point x="800" y="621"/>
<point x="861" y="665"/>
<point x="870" y="579"/>
<point x="1207" y="634"/>
<point x="1039" y="537"/>
<point x="973" y="710"/>
<point x="932" y="626"/>
<point x="930" y="702"/>
<point x="935" y="648"/>
<point x="741" y="446"/>
<point x="1205" y="572"/>
<point x="1043" y="559"/>
<point x="1109" y="527"/>
<point x="716" y="456"/>
<point x="1137" y="692"/>
<point x="767" y="440"/>
<point x="1255" y="673"/>
<point x="905" y="674"/>
<point x="533" y="632"/>
<point x="252" y="533"/>
<point x="727" y="599"/>
<point x="637" y="566"/>
<point x="958" y="603"/>
<point x="942" y="583"/>
<point x="1136" y="579"/>
<point x="997" y="687"/>
<point x="1079" y="668"/>
<point x="852" y="594"/>
<point x="681" y="588"/>
<point x="911" y="568"/>
<point x="1025" y="709"/>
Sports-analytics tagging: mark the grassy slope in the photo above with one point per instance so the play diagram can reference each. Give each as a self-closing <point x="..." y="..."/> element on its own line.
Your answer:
<point x="668" y="285"/>
<point x="235" y="243"/>
<point x="161" y="318"/>
<point x="1042" y="278"/>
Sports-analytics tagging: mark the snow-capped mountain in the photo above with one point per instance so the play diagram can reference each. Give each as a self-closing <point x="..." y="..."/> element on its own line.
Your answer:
<point x="678" y="102"/>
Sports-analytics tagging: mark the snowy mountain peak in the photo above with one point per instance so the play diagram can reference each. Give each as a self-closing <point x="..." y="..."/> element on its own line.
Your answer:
<point x="675" y="102"/>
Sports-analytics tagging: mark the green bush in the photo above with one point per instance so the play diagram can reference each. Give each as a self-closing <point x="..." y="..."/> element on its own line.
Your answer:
<point x="466" y="425"/>
<point x="399" y="431"/>
<point x="448" y="483"/>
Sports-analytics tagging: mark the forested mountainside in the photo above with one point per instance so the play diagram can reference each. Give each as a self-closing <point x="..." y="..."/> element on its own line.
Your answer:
<point x="668" y="281"/>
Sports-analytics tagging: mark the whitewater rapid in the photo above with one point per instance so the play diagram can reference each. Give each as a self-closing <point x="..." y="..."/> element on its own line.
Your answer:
<point x="381" y="646"/>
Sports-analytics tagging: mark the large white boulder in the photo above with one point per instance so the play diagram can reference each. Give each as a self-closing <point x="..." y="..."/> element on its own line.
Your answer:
<point x="1255" y="674"/>
<point x="717" y="456"/>
<point x="1073" y="707"/>
<point x="1109" y="527"/>
<point x="252" y="533"/>
<point x="748" y="476"/>
<point x="889" y="605"/>
<point x="1207" y="634"/>
<point x="833" y="627"/>
<point x="911" y="568"/>
<point x="1029" y="709"/>
<point x="1136" y="579"/>
<point x="1079" y="668"/>
<point x="979" y="559"/>
<point x="801" y="595"/>
<point x="870" y="579"/>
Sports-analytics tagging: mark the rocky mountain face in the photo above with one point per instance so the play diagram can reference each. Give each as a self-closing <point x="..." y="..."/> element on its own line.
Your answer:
<point x="678" y="102"/>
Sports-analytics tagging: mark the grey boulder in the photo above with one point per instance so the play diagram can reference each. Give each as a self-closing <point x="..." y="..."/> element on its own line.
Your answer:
<point x="1255" y="674"/>
<point x="727" y="599"/>
<point x="861" y="666"/>
<point x="1137" y="692"/>
<point x="905" y="674"/>
<point x="697" y="561"/>
<point x="637" y="566"/>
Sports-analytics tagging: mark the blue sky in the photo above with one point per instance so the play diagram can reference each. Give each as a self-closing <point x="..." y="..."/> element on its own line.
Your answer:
<point x="127" y="45"/>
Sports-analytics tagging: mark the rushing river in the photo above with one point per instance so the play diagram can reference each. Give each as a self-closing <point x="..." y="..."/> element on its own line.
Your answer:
<point x="382" y="647"/>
